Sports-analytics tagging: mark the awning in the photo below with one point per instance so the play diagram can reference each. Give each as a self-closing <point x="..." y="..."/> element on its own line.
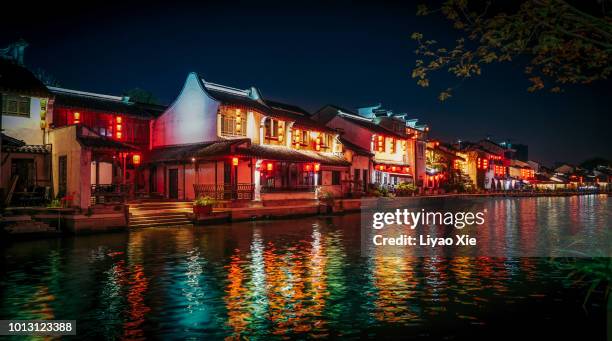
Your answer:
<point x="281" y="153"/>
<point x="202" y="151"/>
<point x="103" y="143"/>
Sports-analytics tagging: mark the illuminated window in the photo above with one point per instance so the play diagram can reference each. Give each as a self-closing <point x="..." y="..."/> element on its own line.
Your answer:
<point x="392" y="144"/>
<point x="305" y="139"/>
<point x="233" y="122"/>
<point x="275" y="129"/>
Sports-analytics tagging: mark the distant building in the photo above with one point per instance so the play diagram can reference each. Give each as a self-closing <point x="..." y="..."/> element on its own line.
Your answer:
<point x="521" y="151"/>
<point x="565" y="168"/>
<point x="535" y="165"/>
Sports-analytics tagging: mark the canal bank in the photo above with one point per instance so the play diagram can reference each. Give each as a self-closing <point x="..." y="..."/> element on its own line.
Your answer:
<point x="45" y="222"/>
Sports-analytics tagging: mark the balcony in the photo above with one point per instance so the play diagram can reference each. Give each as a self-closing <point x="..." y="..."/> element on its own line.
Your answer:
<point x="291" y="188"/>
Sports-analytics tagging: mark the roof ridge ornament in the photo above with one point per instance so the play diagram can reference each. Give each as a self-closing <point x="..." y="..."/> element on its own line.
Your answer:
<point x="15" y="51"/>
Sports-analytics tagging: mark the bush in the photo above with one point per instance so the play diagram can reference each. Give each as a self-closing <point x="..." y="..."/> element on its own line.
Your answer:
<point x="205" y="201"/>
<point x="327" y="197"/>
<point x="405" y="189"/>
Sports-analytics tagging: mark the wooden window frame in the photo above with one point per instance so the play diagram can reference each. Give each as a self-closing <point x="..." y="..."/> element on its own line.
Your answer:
<point x="18" y="102"/>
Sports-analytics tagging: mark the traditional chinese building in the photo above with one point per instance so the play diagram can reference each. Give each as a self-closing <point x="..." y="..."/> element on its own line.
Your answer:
<point x="232" y="144"/>
<point x="98" y="145"/>
<point x="25" y="163"/>
<point x="393" y="146"/>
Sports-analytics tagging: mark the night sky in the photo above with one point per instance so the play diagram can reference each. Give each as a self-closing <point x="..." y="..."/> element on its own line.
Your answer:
<point x="310" y="55"/>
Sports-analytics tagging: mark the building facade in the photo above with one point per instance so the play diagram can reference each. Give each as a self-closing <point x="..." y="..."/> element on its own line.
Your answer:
<point x="25" y="162"/>
<point x="397" y="151"/>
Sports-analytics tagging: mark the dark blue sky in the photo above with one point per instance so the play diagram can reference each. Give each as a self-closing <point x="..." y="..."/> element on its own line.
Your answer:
<point x="309" y="55"/>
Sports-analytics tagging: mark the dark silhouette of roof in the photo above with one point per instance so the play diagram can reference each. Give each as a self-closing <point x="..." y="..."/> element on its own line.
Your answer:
<point x="98" y="142"/>
<point x="17" y="79"/>
<point x="296" y="114"/>
<point x="11" y="141"/>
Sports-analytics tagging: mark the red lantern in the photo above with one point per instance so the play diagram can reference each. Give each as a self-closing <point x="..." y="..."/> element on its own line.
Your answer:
<point x="308" y="167"/>
<point x="77" y="117"/>
<point x="235" y="161"/>
<point x="317" y="166"/>
<point x="136" y="159"/>
<point x="269" y="166"/>
<point x="406" y="169"/>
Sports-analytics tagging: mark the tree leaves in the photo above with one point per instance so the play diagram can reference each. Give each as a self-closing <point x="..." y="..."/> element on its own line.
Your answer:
<point x="565" y="44"/>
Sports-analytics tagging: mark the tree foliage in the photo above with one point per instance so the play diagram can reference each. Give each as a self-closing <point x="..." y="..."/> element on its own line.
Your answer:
<point x="592" y="163"/>
<point x="564" y="44"/>
<point x="141" y="96"/>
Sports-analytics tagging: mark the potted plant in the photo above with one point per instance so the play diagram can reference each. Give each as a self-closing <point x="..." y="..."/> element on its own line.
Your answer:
<point x="66" y="201"/>
<point x="202" y="206"/>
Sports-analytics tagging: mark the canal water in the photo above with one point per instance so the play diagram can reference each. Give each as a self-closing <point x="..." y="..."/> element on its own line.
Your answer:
<point x="302" y="278"/>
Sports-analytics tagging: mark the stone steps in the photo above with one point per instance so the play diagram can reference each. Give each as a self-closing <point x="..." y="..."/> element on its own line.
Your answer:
<point x="24" y="225"/>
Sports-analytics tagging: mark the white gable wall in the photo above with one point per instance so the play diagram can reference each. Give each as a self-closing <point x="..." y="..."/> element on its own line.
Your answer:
<point x="23" y="128"/>
<point x="356" y="134"/>
<point x="192" y="118"/>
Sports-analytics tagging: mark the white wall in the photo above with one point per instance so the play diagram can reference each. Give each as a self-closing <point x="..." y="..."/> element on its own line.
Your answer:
<point x="25" y="128"/>
<point x="192" y="118"/>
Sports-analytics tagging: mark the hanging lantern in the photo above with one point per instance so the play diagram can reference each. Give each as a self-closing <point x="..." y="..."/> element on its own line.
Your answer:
<point x="77" y="117"/>
<point x="118" y="127"/>
<point x="269" y="166"/>
<point x="308" y="167"/>
<point x="317" y="167"/>
<point x="235" y="161"/>
<point x="406" y="169"/>
<point x="136" y="159"/>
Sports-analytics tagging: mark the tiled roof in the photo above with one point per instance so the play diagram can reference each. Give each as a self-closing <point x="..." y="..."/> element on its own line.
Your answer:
<point x="356" y="119"/>
<point x="104" y="103"/>
<point x="447" y="153"/>
<point x="203" y="150"/>
<point x="95" y="142"/>
<point x="390" y="162"/>
<point x="11" y="141"/>
<point x="286" y="154"/>
<point x="236" y="98"/>
<point x="296" y="114"/>
<point x="27" y="149"/>
<point x="19" y="80"/>
<point x="374" y="127"/>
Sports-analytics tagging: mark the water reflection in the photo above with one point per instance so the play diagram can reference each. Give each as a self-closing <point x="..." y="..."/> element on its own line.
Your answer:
<point x="283" y="279"/>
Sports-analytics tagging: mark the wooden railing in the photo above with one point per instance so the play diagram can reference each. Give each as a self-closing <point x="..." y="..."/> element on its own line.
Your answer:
<point x="113" y="193"/>
<point x="240" y="191"/>
<point x="292" y="188"/>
